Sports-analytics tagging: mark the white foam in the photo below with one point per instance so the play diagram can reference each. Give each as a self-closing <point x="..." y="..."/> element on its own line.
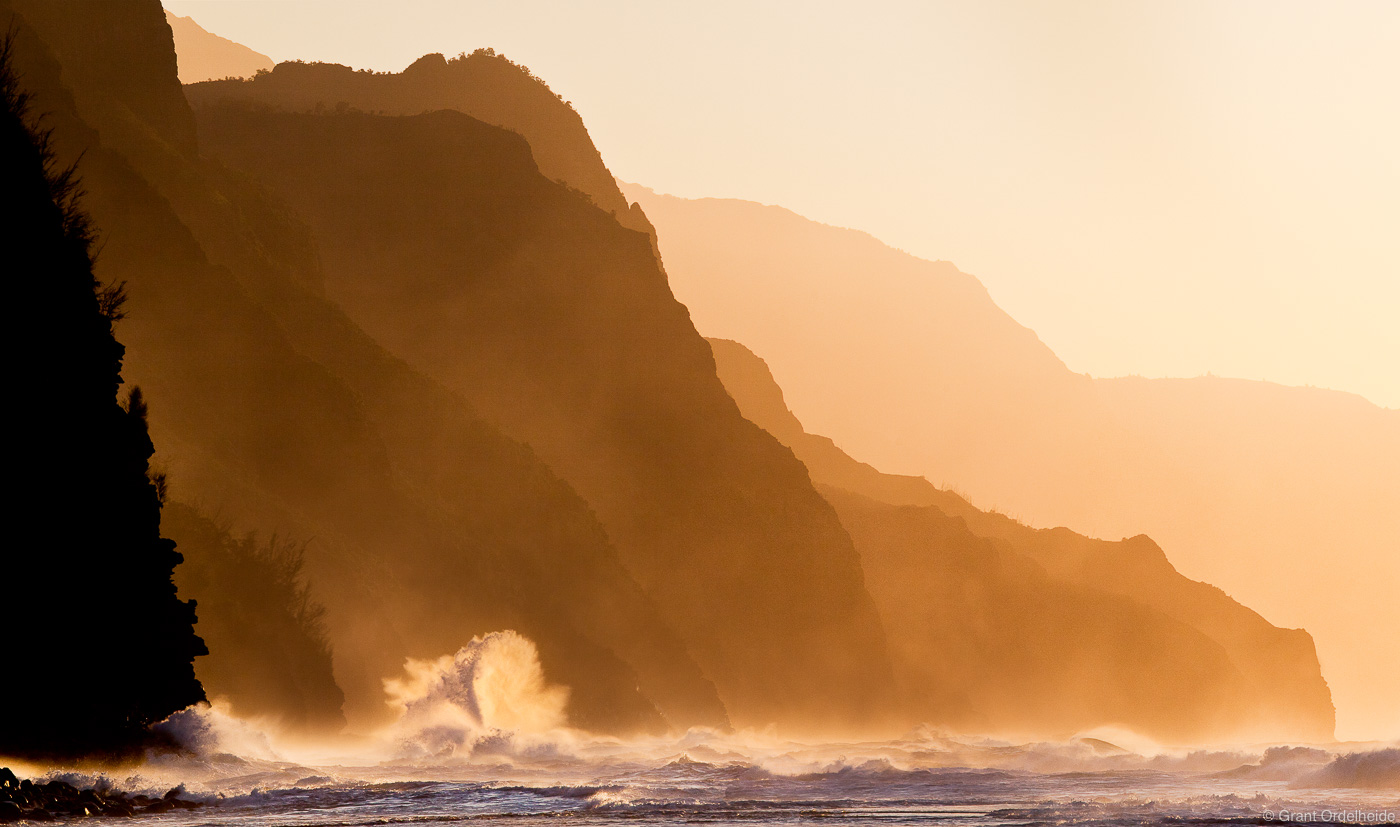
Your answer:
<point x="491" y="694"/>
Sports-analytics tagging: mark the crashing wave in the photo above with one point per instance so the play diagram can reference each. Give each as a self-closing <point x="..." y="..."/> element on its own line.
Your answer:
<point x="488" y="697"/>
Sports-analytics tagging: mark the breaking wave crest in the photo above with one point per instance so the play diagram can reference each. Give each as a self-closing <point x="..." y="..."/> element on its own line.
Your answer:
<point x="489" y="695"/>
<point x="1377" y="770"/>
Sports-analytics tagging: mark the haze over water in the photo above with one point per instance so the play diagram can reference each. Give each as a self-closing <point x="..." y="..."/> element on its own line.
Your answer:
<point x="441" y="764"/>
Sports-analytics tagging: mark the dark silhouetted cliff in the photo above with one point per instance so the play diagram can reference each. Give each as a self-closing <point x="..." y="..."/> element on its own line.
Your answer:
<point x="995" y="626"/>
<point x="98" y="645"/>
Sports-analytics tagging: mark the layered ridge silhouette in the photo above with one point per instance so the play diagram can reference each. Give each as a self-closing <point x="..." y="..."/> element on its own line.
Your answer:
<point x="425" y="526"/>
<point x="998" y="627"/>
<point x="1282" y="496"/>
<point x="468" y="389"/>
<point x="443" y="241"/>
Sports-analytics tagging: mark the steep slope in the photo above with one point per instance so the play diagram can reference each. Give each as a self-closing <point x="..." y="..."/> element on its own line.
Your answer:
<point x="747" y="378"/>
<point x="84" y="561"/>
<point x="426" y="525"/>
<point x="482" y="84"/>
<point x="442" y="240"/>
<point x="206" y="56"/>
<point x="1272" y="493"/>
<point x="1046" y="630"/>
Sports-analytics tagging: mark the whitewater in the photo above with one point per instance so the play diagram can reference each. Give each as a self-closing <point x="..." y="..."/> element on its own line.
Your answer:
<point x="482" y="735"/>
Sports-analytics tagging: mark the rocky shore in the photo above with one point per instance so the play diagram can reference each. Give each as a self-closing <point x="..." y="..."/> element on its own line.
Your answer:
<point x="25" y="800"/>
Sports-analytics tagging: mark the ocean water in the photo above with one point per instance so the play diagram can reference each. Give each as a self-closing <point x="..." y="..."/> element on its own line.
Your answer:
<point x="710" y="777"/>
<point x="482" y="737"/>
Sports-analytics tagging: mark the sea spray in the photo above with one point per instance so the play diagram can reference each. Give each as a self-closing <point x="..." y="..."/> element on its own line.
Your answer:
<point x="210" y="728"/>
<point x="1373" y="770"/>
<point x="491" y="690"/>
<point x="753" y="777"/>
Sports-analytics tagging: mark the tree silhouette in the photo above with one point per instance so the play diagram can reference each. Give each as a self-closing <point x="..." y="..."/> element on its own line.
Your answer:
<point x="270" y="654"/>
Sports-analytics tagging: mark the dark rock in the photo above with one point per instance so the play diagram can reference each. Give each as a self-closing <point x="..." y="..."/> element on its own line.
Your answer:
<point x="27" y="801"/>
<point x="59" y="790"/>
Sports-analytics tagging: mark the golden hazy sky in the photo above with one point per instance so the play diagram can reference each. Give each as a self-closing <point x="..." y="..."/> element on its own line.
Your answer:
<point x="1164" y="188"/>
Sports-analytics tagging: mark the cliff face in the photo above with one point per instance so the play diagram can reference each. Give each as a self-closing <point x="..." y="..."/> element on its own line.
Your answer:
<point x="282" y="416"/>
<point x="1267" y="491"/>
<point x="997" y="626"/>
<point x="442" y="240"/>
<point x="483" y="84"/>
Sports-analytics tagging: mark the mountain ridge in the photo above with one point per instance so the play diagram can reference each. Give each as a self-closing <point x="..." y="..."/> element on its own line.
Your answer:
<point x="585" y="463"/>
<point x="1267" y="491"/>
<point x="921" y="545"/>
<point x="483" y="84"/>
<point x="557" y="323"/>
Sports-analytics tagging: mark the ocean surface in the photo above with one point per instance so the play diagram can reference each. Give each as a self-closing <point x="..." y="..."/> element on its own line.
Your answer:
<point x="444" y="776"/>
